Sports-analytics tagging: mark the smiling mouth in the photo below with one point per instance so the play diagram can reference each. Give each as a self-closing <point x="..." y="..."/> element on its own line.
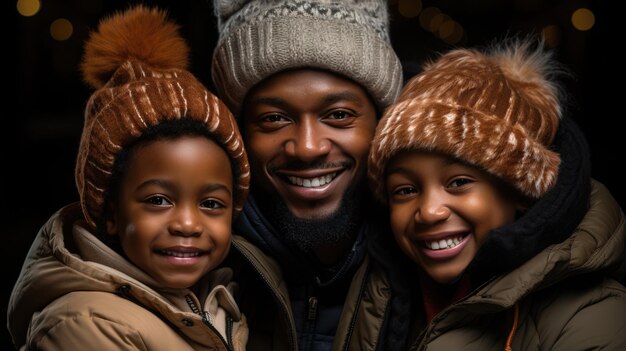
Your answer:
<point x="179" y="254"/>
<point x="446" y="243"/>
<point x="312" y="182"/>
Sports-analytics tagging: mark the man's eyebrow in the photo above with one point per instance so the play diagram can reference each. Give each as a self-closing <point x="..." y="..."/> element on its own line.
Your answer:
<point x="342" y="95"/>
<point x="272" y="101"/>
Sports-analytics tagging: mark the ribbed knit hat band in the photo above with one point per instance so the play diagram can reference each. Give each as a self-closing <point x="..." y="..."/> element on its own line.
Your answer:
<point x="263" y="37"/>
<point x="497" y="111"/>
<point x="139" y="95"/>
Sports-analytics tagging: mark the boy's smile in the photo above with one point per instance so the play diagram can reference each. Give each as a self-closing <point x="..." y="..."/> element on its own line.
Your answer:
<point x="174" y="210"/>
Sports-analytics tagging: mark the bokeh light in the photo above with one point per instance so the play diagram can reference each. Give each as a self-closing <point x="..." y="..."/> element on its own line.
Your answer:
<point x="427" y="15"/>
<point x="61" y="29"/>
<point x="28" y="8"/>
<point x="451" y="32"/>
<point x="583" y="19"/>
<point x="410" y="8"/>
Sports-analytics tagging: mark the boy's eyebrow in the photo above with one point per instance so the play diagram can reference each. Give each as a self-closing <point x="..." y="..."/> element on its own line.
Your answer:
<point x="168" y="185"/>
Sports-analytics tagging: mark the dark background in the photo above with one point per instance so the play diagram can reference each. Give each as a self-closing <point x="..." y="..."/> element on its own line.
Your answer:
<point x="46" y="95"/>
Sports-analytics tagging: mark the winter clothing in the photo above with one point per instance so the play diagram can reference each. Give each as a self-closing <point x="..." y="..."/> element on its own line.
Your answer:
<point x="561" y="299"/>
<point x="498" y="111"/>
<point x="263" y="37"/>
<point x="545" y="281"/>
<point x="353" y="297"/>
<point x="137" y="62"/>
<point x="77" y="292"/>
<point x="74" y="292"/>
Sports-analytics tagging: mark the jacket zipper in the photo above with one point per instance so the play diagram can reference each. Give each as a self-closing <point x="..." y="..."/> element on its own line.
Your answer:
<point x="208" y="321"/>
<point x="291" y="337"/>
<point x="312" y="314"/>
<point x="356" y="309"/>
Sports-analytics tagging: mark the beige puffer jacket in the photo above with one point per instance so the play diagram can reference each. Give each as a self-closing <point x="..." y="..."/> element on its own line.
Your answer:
<point x="75" y="293"/>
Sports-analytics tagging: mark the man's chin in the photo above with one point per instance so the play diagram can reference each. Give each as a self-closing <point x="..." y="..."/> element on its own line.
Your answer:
<point x="315" y="211"/>
<point x="314" y="227"/>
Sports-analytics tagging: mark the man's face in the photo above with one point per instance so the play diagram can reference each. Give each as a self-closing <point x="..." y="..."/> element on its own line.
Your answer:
<point x="307" y="134"/>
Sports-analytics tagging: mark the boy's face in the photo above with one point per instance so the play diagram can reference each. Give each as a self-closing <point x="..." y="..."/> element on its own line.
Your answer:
<point x="307" y="134"/>
<point x="441" y="211"/>
<point x="174" y="211"/>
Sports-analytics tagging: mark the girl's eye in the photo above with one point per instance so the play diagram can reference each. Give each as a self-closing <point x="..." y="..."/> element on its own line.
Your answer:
<point x="459" y="182"/>
<point x="406" y="190"/>
<point x="158" y="201"/>
<point x="212" y="204"/>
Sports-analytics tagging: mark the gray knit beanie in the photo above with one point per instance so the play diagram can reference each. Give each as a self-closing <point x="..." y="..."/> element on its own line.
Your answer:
<point x="263" y="37"/>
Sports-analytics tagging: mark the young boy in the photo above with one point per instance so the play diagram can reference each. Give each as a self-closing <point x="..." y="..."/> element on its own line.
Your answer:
<point x="161" y="172"/>
<point x="486" y="183"/>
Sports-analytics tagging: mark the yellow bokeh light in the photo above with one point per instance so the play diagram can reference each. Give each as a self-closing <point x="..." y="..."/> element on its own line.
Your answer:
<point x="410" y="8"/>
<point x="61" y="29"/>
<point x="583" y="19"/>
<point x="28" y="8"/>
<point x="437" y="21"/>
<point x="451" y="32"/>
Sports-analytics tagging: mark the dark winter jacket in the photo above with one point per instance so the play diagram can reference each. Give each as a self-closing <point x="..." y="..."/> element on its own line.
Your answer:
<point x="346" y="310"/>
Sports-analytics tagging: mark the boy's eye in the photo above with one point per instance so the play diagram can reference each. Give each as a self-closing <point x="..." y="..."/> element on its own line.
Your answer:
<point x="158" y="201"/>
<point x="212" y="204"/>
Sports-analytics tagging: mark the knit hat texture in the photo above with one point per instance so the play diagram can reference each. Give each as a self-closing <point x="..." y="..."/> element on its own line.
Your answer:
<point x="263" y="37"/>
<point x="136" y="60"/>
<point x="497" y="110"/>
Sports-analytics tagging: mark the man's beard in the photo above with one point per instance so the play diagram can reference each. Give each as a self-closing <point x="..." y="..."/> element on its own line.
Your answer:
<point x="306" y="235"/>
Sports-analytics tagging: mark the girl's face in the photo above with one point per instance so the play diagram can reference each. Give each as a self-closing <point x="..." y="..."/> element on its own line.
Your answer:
<point x="442" y="210"/>
<point x="174" y="209"/>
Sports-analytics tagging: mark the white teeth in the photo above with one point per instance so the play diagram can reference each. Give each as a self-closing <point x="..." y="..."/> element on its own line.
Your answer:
<point x="312" y="182"/>
<point x="443" y="243"/>
<point x="181" y="254"/>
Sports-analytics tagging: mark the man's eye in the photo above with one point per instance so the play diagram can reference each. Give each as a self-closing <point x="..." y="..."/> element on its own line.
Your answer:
<point x="339" y="115"/>
<point x="273" y="118"/>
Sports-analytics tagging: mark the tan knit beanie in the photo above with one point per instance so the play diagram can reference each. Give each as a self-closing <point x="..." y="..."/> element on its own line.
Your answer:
<point x="496" y="110"/>
<point x="136" y="60"/>
<point x="263" y="37"/>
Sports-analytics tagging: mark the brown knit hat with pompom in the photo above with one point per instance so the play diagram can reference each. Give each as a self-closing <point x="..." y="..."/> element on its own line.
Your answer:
<point x="137" y="62"/>
<point x="496" y="110"/>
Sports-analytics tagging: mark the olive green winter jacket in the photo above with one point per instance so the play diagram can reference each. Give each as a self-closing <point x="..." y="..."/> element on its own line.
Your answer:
<point x="562" y="299"/>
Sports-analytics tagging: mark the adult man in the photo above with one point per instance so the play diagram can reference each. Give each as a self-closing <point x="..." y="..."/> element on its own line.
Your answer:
<point x="308" y="80"/>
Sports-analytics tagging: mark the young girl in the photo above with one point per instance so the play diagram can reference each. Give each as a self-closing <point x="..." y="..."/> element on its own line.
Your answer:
<point x="488" y="191"/>
<point x="161" y="172"/>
